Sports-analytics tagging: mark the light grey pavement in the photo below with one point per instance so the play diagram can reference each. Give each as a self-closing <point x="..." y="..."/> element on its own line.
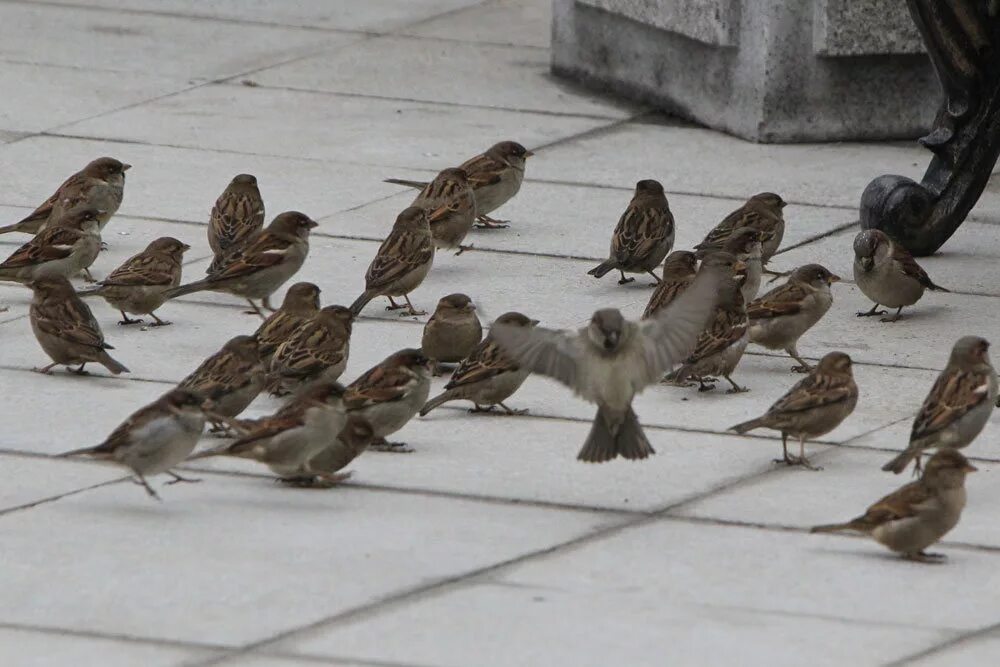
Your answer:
<point x="490" y="545"/>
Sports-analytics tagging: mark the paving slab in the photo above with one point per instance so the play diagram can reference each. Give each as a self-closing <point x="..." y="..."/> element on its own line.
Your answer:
<point x="31" y="480"/>
<point x="686" y="593"/>
<point x="372" y="15"/>
<point x="179" y="47"/>
<point x="27" y="648"/>
<point x="330" y="546"/>
<point x="520" y="22"/>
<point x="330" y="127"/>
<point x="507" y="77"/>
<point x="970" y="653"/>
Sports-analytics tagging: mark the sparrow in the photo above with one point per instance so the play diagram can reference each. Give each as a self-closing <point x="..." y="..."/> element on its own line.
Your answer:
<point x="919" y="514"/>
<point x="353" y="439"/>
<point x="780" y="317"/>
<point x="230" y="379"/>
<point x="816" y="405"/>
<point x="99" y="186"/>
<point x="238" y="215"/>
<point x="138" y="286"/>
<point x="154" y="438"/>
<point x="487" y="377"/>
<point x="679" y="270"/>
<point x="762" y="212"/>
<point x="316" y="350"/>
<point x="267" y="260"/>
<point x="958" y="405"/>
<point x="390" y="394"/>
<point x="286" y="442"/>
<point x="744" y="244"/>
<point x="64" y="250"/>
<point x="300" y="305"/>
<point x="450" y="205"/>
<point x="887" y="274"/>
<point x="495" y="177"/>
<point x="724" y="338"/>
<point x="643" y="237"/>
<point x="401" y="263"/>
<point x="452" y="332"/>
<point x="65" y="327"/>
<point x="611" y="359"/>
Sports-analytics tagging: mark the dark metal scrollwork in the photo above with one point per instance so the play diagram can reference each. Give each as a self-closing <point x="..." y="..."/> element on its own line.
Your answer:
<point x="963" y="40"/>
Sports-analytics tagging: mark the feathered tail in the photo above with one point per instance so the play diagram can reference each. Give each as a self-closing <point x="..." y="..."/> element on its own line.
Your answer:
<point x="437" y="401"/>
<point x="898" y="464"/>
<point x="626" y="439"/>
<point x="747" y="426"/>
<point x="854" y="524"/>
<point x="362" y="301"/>
<point x="410" y="184"/>
<point x="190" y="288"/>
<point x="116" y="368"/>
<point x="602" y="268"/>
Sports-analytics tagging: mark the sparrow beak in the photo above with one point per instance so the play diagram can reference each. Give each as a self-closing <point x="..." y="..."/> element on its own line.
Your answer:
<point x="126" y="167"/>
<point x="185" y="246"/>
<point x="313" y="224"/>
<point x="833" y="279"/>
<point x="534" y="322"/>
<point x="739" y="266"/>
<point x="528" y="154"/>
<point x="471" y="307"/>
<point x="969" y="468"/>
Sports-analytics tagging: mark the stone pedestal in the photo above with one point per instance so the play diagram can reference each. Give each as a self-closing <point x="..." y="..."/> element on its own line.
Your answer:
<point x="765" y="70"/>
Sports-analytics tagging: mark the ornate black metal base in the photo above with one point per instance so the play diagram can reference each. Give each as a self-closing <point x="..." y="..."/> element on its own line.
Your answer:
<point x="963" y="41"/>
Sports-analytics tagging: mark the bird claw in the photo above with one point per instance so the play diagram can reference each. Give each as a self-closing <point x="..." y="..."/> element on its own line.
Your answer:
<point x="790" y="460"/>
<point x="177" y="479"/>
<point x="801" y="369"/>
<point x="160" y="323"/>
<point x="391" y="447"/>
<point x="463" y="248"/>
<point x="869" y="313"/>
<point x="626" y="281"/>
<point x="737" y="390"/>
<point x="925" y="557"/>
<point x="43" y="371"/>
<point x="126" y="321"/>
<point x="315" y="481"/>
<point x="889" y="320"/>
<point x="486" y="222"/>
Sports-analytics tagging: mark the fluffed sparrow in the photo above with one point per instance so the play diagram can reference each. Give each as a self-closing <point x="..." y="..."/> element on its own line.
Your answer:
<point x="264" y="264"/>
<point x="679" y="270"/>
<point x="401" y="263"/>
<point x="724" y="338"/>
<point x="452" y="332"/>
<point x="353" y="439"/>
<point x="487" y="377"/>
<point x="919" y="514"/>
<point x="139" y="285"/>
<point x="65" y="327"/>
<point x="390" y="394"/>
<point x="495" y="177"/>
<point x="762" y="212"/>
<point x="63" y="250"/>
<point x="643" y="237"/>
<point x="154" y="438"/>
<point x="300" y="305"/>
<point x="231" y="378"/>
<point x="816" y="405"/>
<point x="780" y="317"/>
<point x="958" y="405"/>
<point x="238" y="215"/>
<point x="450" y="205"/>
<point x="286" y="442"/>
<point x="612" y="359"/>
<point x="887" y="274"/>
<point x="316" y="350"/>
<point x="100" y="186"/>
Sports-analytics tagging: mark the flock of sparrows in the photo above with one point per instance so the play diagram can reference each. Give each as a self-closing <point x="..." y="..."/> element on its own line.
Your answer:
<point x="701" y="316"/>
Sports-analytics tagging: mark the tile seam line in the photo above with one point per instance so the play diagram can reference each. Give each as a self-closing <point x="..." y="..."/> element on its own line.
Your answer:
<point x="111" y="636"/>
<point x="971" y="636"/>
<point x="229" y="83"/>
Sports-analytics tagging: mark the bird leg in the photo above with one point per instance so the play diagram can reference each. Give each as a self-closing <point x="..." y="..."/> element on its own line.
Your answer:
<point x="624" y="280"/>
<point x="804" y="366"/>
<point x="47" y="370"/>
<point x="158" y="322"/>
<point x="785" y="458"/>
<point x="478" y="409"/>
<point x="383" y="445"/>
<point x="486" y="222"/>
<point x="736" y="388"/>
<point x="873" y="311"/>
<point x="410" y="309"/>
<point x="511" y="412"/>
<point x="80" y="371"/>
<point x="142" y="482"/>
<point x="803" y="461"/>
<point x="318" y="480"/>
<point x="917" y="468"/>
<point x="705" y="383"/>
<point x="266" y="303"/>
<point x="125" y="321"/>
<point x="655" y="277"/>
<point x="392" y="304"/>
<point x="894" y="317"/>
<point x="255" y="311"/>
<point x="177" y="478"/>
<point x="463" y="248"/>
<point x="924" y="557"/>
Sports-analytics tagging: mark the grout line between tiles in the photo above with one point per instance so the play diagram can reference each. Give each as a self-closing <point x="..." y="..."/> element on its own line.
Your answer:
<point x="111" y="636"/>
<point x="946" y="645"/>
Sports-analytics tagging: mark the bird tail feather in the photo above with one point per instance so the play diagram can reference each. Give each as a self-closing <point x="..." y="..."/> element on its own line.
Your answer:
<point x="190" y="288"/>
<point x="435" y="402"/>
<point x="410" y="184"/>
<point x="360" y="303"/>
<point x="836" y="527"/>
<point x="116" y="368"/>
<point x="603" y="445"/>
<point x="602" y="268"/>
<point x="747" y="426"/>
<point x="898" y="464"/>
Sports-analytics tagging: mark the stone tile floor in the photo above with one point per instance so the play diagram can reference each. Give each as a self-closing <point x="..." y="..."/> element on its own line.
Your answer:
<point x="490" y="545"/>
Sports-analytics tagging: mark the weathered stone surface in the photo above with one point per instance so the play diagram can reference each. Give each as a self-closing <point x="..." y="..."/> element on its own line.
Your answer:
<point x="864" y="27"/>
<point x="709" y="21"/>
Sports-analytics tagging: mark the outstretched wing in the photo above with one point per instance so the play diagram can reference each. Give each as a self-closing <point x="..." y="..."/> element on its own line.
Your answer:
<point x="546" y="351"/>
